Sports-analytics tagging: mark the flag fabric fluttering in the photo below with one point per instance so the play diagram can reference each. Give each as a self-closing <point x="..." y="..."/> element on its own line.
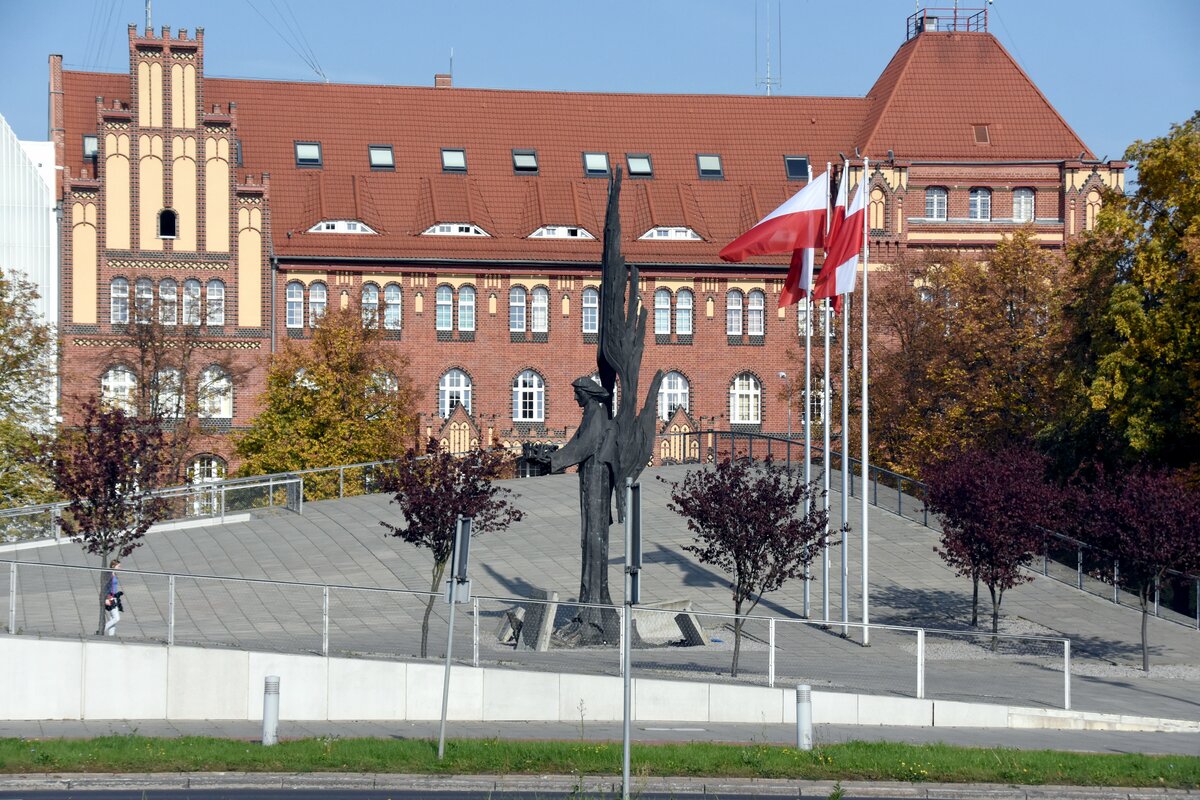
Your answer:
<point x="796" y="225"/>
<point x="799" y="281"/>
<point x="844" y="246"/>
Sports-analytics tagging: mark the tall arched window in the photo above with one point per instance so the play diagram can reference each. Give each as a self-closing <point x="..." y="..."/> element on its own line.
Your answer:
<point x="191" y="302"/>
<point x="591" y="310"/>
<point x="444" y="308"/>
<point x="755" y="312"/>
<point x="214" y="395"/>
<point x="981" y="204"/>
<point x="143" y="299"/>
<point x="295" y="304"/>
<point x="662" y="312"/>
<point x="318" y="295"/>
<point x="168" y="393"/>
<point x="206" y="469"/>
<point x="685" y="302"/>
<point x="370" y="304"/>
<point x="673" y="394"/>
<point x="215" y="294"/>
<point x="539" y="314"/>
<point x="1023" y="205"/>
<point x="529" y="397"/>
<point x="935" y="202"/>
<point x="745" y="400"/>
<point x="168" y="301"/>
<point x="454" y="388"/>
<point x="118" y="298"/>
<point x="516" y="309"/>
<point x="391" y="307"/>
<point x="466" y="308"/>
<point x="733" y="313"/>
<point x="118" y="387"/>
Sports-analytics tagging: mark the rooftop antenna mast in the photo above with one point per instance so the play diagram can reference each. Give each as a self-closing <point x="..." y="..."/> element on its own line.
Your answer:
<point x="768" y="81"/>
<point x="148" y="25"/>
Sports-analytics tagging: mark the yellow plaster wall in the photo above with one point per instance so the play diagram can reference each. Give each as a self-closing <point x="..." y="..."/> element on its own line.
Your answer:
<point x="118" y="213"/>
<point x="929" y="236"/>
<point x="566" y="305"/>
<point x="216" y="194"/>
<point x="85" y="266"/>
<point x="673" y="285"/>
<point x="183" y="191"/>
<point x="249" y="268"/>
<point x="455" y="281"/>
<point x="746" y="286"/>
<point x="150" y="191"/>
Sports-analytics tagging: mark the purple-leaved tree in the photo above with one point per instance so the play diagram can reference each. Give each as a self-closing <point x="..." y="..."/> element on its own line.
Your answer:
<point x="433" y="489"/>
<point x="750" y="520"/>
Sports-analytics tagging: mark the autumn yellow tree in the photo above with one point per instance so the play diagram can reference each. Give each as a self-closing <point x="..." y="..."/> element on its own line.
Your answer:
<point x="343" y="397"/>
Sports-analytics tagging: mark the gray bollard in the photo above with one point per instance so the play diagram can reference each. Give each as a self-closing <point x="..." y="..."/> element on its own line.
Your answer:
<point x="270" y="734"/>
<point x="804" y="739"/>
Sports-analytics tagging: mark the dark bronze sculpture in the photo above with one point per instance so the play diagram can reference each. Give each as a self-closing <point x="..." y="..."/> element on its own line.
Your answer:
<point x="609" y="447"/>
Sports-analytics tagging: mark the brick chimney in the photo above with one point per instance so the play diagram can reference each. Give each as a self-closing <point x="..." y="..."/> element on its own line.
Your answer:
<point x="442" y="80"/>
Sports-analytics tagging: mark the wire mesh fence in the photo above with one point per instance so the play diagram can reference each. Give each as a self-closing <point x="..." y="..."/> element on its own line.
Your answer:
<point x="964" y="665"/>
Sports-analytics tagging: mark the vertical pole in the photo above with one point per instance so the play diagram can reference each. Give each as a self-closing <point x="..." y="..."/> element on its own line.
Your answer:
<point x="866" y="428"/>
<point x="325" y="620"/>
<point x="475" y="631"/>
<point x="1156" y="590"/>
<point x="270" y="728"/>
<point x="804" y="717"/>
<point x="827" y="318"/>
<point x="771" y="653"/>
<point x="621" y="636"/>
<point x="1067" y="674"/>
<point x="625" y="644"/>
<point x="56" y="523"/>
<point x="270" y="492"/>
<point x="899" y="493"/>
<point x="12" y="598"/>
<point x="1079" y="566"/>
<point x="341" y="481"/>
<point x="222" y="504"/>
<point x="845" y="547"/>
<point x="920" y="663"/>
<point x="1116" y="577"/>
<point x="446" y="678"/>
<point x="170" y="609"/>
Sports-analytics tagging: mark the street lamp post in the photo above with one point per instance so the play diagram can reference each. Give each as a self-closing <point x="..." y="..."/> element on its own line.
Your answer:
<point x="783" y="376"/>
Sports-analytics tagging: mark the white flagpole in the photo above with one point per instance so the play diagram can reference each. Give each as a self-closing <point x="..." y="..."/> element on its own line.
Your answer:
<point x="845" y="548"/>
<point x="807" y="300"/>
<point x="825" y="319"/>
<point x="866" y="607"/>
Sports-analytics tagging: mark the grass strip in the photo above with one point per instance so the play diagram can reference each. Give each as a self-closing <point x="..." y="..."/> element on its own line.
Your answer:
<point x="885" y="761"/>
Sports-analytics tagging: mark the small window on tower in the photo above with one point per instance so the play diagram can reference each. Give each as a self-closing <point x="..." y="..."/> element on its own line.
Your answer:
<point x="167" y="220"/>
<point x="981" y="134"/>
<point x="381" y="157"/>
<point x="91" y="145"/>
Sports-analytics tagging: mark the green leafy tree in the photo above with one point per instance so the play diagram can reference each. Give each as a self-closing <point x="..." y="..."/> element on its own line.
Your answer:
<point x="341" y="398"/>
<point x="26" y="388"/>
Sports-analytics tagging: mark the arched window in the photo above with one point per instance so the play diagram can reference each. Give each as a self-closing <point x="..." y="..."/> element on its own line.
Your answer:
<point x="118" y="298"/>
<point x="745" y="400"/>
<point x="529" y="397"/>
<point x="317" y="297"/>
<point x="454" y="388"/>
<point x="662" y="312"/>
<point x="167" y="224"/>
<point x="143" y="299"/>
<point x="168" y="301"/>
<point x="191" y="302"/>
<point x="540" y="310"/>
<point x="206" y="469"/>
<point x="1023" y="205"/>
<point x="591" y="310"/>
<point x="214" y="395"/>
<point x="755" y="312"/>
<point x="733" y="313"/>
<point x="118" y="387"/>
<point x="684" y="304"/>
<point x="295" y="304"/>
<point x="935" y="202"/>
<point x="444" y="308"/>
<point x="466" y="308"/>
<point x="673" y="394"/>
<point x="370" y="305"/>
<point x="981" y="204"/>
<point x="215" y="293"/>
<point x="168" y="393"/>
<point x="516" y="309"/>
<point x="391" y="307"/>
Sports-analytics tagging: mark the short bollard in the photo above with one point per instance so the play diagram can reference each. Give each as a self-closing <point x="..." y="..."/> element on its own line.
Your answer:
<point x="270" y="734"/>
<point x="804" y="740"/>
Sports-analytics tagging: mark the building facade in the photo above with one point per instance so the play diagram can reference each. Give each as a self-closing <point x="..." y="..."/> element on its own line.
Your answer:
<point x="468" y="223"/>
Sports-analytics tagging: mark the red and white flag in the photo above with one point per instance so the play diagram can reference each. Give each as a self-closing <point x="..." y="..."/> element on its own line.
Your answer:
<point x="797" y="224"/>
<point x="799" y="280"/>
<point x="844" y="246"/>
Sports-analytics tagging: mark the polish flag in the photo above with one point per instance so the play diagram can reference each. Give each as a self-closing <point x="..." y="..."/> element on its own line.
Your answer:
<point x="843" y="247"/>
<point x="797" y="224"/>
<point x="799" y="278"/>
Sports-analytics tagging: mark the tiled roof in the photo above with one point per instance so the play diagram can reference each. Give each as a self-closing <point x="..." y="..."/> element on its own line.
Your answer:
<point x="923" y="107"/>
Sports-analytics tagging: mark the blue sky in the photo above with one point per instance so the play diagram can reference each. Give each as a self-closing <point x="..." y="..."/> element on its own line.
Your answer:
<point x="1117" y="71"/>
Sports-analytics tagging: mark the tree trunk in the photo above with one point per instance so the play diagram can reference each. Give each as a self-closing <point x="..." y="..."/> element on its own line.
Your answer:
<point x="1144" y="597"/>
<point x="439" y="570"/>
<point x="737" y="638"/>
<point x="104" y="580"/>
<point x="975" y="601"/>
<point x="996" y="598"/>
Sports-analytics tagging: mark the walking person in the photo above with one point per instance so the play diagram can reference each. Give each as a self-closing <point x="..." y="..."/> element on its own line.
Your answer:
<point x="112" y="600"/>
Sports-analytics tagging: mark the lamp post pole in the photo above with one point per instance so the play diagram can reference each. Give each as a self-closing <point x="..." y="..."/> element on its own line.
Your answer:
<point x="783" y="376"/>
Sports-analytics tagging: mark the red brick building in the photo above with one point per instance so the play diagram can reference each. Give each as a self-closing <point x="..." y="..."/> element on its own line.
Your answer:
<point x="469" y="220"/>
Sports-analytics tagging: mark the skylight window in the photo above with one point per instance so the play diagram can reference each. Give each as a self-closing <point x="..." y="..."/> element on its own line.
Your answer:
<point x="455" y="229"/>
<point x="561" y="232"/>
<point x="341" y="226"/>
<point x="525" y="162"/>
<point x="639" y="166"/>
<point x="381" y="156"/>
<point x="454" y="160"/>
<point x="595" y="165"/>
<point x="91" y="145"/>
<point x="668" y="233"/>
<point x="982" y="135"/>
<point x="709" y="166"/>
<point x="797" y="167"/>
<point x="308" y="154"/>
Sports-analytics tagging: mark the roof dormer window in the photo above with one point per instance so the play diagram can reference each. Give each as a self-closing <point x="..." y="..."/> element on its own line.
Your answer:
<point x="454" y="159"/>
<point x="308" y="154"/>
<point x="561" y="232"/>
<point x="639" y="166"/>
<point x="454" y="229"/>
<point x="595" y="165"/>
<point x="664" y="233"/>
<point x="381" y="157"/>
<point x="341" y="226"/>
<point x="525" y="162"/>
<point x="709" y="166"/>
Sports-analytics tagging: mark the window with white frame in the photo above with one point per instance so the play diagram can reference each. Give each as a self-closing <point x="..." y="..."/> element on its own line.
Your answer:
<point x="118" y="388"/>
<point x="561" y="232"/>
<point x="685" y="303"/>
<point x="454" y="388"/>
<point x="168" y="393"/>
<point x="1022" y="205"/>
<point x="391" y="307"/>
<point x="733" y="313"/>
<point x="202" y="470"/>
<point x="816" y="405"/>
<point x="516" y="309"/>
<point x="529" y="397"/>
<point x="454" y="229"/>
<point x="143" y="300"/>
<point x="214" y="395"/>
<point x="981" y="204"/>
<point x="672" y="233"/>
<point x="318" y="295"/>
<point x="352" y="226"/>
<point x="756" y="303"/>
<point x="662" y="312"/>
<point x="804" y="309"/>
<point x="539" y="312"/>
<point x="591" y="310"/>
<point x="745" y="400"/>
<point x="672" y="394"/>
<point x="191" y="302"/>
<point x="215" y="295"/>
<point x="935" y="202"/>
<point x="444" y="308"/>
<point x="168" y="301"/>
<point x="370" y="305"/>
<point x="118" y="299"/>
<point x="295" y="305"/>
<point x="466" y="308"/>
